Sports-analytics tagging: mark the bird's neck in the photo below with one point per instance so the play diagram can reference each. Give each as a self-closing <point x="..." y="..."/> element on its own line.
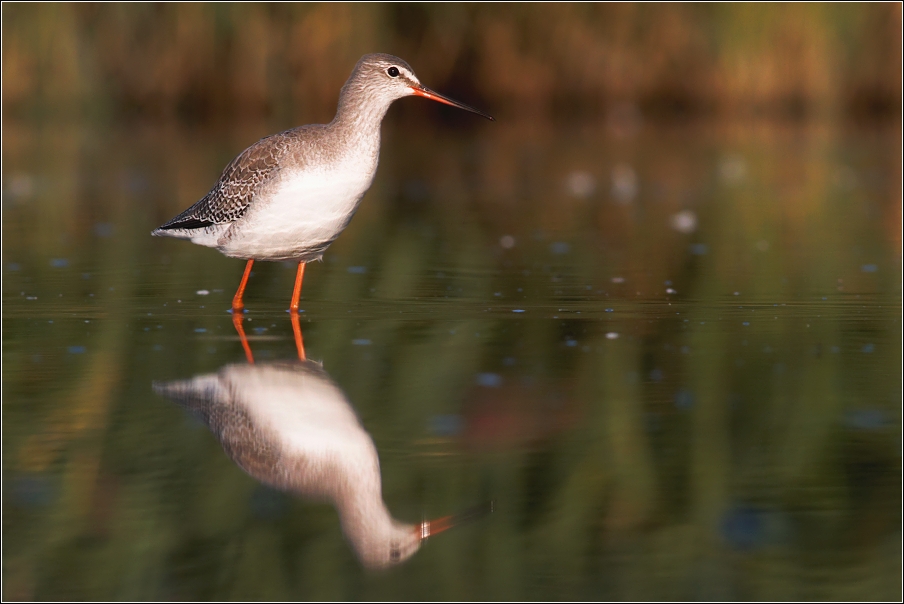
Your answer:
<point x="361" y="110"/>
<point x="365" y="520"/>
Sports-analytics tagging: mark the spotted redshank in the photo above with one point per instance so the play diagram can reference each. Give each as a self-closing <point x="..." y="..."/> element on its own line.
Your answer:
<point x="289" y="195"/>
<point x="289" y="426"/>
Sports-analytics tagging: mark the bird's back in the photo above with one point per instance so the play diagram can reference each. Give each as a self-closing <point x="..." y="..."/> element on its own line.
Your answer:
<point x="284" y="423"/>
<point x="241" y="180"/>
<point x="286" y="197"/>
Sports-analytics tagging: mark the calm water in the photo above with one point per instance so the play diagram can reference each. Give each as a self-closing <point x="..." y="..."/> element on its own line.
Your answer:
<point x="672" y="356"/>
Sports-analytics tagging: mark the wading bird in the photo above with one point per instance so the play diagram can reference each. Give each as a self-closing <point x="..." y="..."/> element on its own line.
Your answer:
<point x="289" y="426"/>
<point x="289" y="195"/>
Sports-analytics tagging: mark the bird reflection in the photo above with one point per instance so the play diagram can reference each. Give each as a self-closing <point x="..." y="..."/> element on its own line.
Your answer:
<point x="287" y="424"/>
<point x="237" y="320"/>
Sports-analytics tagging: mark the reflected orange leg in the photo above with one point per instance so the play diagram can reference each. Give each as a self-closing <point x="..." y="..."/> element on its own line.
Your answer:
<point x="237" y="305"/>
<point x="237" y="318"/>
<point x="296" y="293"/>
<point x="296" y="329"/>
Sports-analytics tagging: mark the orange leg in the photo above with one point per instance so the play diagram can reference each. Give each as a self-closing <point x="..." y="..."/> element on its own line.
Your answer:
<point x="296" y="293"/>
<point x="237" y="319"/>
<point x="296" y="329"/>
<point x="237" y="305"/>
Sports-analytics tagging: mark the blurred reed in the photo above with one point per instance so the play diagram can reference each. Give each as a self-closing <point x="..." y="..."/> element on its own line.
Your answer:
<point x="225" y="61"/>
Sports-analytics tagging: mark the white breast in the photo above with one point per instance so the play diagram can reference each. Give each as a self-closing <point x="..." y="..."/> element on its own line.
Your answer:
<point x="300" y="213"/>
<point x="306" y="415"/>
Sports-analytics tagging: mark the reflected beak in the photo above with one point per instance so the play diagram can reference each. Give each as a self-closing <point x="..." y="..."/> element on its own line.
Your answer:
<point x="428" y="528"/>
<point x="435" y="96"/>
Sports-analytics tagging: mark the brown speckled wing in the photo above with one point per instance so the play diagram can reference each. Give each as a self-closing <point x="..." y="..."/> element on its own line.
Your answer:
<point x="246" y="445"/>
<point x="229" y="199"/>
<point x="215" y="402"/>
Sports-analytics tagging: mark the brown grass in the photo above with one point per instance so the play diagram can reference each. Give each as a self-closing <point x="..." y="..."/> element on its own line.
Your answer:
<point x="211" y="61"/>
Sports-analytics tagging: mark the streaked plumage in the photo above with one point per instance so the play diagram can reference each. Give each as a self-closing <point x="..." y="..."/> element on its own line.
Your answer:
<point x="289" y="426"/>
<point x="290" y="195"/>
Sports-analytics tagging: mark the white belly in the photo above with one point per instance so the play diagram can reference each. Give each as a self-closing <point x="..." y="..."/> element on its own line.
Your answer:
<point x="304" y="413"/>
<point x="299" y="215"/>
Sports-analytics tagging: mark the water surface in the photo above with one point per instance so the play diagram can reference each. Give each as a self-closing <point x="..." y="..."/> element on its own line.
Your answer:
<point x="670" y="355"/>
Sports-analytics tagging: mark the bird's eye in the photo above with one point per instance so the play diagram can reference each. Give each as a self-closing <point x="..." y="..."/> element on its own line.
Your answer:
<point x="394" y="553"/>
<point x="393" y="72"/>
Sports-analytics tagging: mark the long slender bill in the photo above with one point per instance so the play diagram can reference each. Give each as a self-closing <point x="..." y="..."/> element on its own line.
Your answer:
<point x="428" y="528"/>
<point x="435" y="96"/>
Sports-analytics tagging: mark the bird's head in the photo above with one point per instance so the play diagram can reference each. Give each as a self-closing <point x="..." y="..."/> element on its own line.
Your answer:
<point x="390" y="78"/>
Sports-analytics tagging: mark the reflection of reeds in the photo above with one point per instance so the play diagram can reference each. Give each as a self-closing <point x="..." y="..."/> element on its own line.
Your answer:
<point x="630" y="499"/>
<point x="208" y="61"/>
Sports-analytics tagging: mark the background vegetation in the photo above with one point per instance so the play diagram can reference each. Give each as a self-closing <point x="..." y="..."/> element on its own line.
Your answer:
<point x="219" y="61"/>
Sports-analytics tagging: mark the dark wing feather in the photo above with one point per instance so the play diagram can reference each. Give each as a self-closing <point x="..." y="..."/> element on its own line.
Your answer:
<point x="229" y="199"/>
<point x="213" y="402"/>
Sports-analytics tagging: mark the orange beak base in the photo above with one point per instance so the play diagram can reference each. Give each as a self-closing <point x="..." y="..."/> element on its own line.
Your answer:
<point x="428" y="528"/>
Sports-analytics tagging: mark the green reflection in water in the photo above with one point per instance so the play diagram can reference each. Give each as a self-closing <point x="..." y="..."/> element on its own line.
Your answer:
<point x="673" y="360"/>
